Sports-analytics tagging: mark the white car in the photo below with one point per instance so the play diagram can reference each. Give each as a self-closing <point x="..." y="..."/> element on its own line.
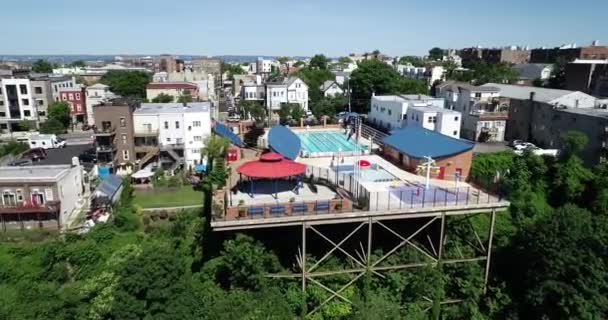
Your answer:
<point x="523" y="145"/>
<point x="538" y="151"/>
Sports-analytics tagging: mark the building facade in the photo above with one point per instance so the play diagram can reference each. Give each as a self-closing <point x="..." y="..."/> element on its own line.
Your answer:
<point x="444" y="121"/>
<point x="208" y="65"/>
<point x="40" y="196"/>
<point x="331" y="89"/>
<point x="76" y="98"/>
<point x="290" y="90"/>
<point x="589" y="76"/>
<point x="390" y="112"/>
<point x="174" y="89"/>
<point x="96" y="94"/>
<point x="568" y="53"/>
<point x="114" y="134"/>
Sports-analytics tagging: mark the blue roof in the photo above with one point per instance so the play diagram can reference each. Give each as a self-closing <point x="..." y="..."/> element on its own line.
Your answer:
<point x="418" y="142"/>
<point x="224" y="131"/>
<point x="283" y="141"/>
<point x="109" y="186"/>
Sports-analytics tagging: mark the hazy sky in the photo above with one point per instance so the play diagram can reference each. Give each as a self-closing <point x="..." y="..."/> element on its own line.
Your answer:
<point x="287" y="27"/>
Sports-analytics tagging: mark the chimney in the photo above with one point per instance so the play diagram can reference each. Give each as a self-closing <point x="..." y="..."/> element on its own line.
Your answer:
<point x="532" y="94"/>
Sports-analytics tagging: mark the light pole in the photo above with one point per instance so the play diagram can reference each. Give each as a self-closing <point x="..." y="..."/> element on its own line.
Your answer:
<point x="428" y="171"/>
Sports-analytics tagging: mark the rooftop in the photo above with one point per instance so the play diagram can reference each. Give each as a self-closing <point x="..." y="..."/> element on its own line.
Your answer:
<point x="33" y="173"/>
<point x="457" y="86"/>
<point x="418" y="143"/>
<point x="530" y="70"/>
<point x="156" y="108"/>
<point x="171" y="85"/>
<point x="592" y="112"/>
<point x="523" y="92"/>
<point x="589" y="61"/>
<point x="433" y="109"/>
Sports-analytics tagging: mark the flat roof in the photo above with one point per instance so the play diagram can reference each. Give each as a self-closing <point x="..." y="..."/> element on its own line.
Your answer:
<point x="174" y="107"/>
<point x="592" y="112"/>
<point x="33" y="173"/>
<point x="433" y="109"/>
<point x="418" y="97"/>
<point x="171" y="85"/>
<point x="523" y="92"/>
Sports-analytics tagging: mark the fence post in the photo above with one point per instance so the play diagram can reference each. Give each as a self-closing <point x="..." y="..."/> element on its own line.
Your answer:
<point x="445" y="191"/>
<point x="412" y="200"/>
<point x="400" y="199"/>
<point x="423" y="197"/>
<point x="377" y="199"/>
<point x="456" y="190"/>
<point x="434" y="196"/>
<point x="468" y="189"/>
<point x="389" y="200"/>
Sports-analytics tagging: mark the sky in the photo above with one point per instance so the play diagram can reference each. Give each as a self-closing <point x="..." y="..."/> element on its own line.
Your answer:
<point x="293" y="27"/>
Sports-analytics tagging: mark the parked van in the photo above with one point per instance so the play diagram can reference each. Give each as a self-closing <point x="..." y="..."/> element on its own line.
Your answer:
<point x="46" y="141"/>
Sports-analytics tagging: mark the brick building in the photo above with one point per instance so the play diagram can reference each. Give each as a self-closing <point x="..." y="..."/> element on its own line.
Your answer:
<point x="76" y="97"/>
<point x="544" y="55"/>
<point x="589" y="76"/>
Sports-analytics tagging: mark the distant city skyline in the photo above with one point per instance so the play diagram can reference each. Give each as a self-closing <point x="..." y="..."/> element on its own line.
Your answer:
<point x="304" y="28"/>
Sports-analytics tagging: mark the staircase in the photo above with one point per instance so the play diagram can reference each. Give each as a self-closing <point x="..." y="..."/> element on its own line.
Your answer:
<point x="151" y="152"/>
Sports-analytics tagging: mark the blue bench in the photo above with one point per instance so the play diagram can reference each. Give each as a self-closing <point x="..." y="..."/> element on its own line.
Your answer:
<point x="322" y="206"/>
<point x="277" y="210"/>
<point x="255" y="211"/>
<point x="299" y="208"/>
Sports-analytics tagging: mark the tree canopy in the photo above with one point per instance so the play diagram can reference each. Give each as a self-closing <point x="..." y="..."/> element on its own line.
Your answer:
<point x="373" y="76"/>
<point x="483" y="72"/>
<point x="436" y="53"/>
<point x="127" y="83"/>
<point x="163" y="98"/>
<point x="42" y="66"/>
<point x="319" y="61"/>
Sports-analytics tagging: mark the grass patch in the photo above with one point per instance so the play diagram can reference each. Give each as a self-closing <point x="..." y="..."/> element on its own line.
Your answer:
<point x="168" y="197"/>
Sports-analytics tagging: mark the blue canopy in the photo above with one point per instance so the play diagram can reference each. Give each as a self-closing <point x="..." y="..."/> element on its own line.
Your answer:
<point x="224" y="131"/>
<point x="200" y="167"/>
<point x="282" y="140"/>
<point x="418" y="142"/>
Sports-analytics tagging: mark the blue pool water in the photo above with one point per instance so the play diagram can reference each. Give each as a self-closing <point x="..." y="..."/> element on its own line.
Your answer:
<point x="374" y="173"/>
<point x="327" y="142"/>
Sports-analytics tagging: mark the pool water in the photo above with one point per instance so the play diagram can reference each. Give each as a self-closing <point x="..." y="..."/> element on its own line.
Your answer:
<point x="328" y="142"/>
<point x="374" y="173"/>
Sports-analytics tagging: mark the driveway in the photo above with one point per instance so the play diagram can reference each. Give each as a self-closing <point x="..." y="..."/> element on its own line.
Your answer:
<point x="486" y="147"/>
<point x="63" y="155"/>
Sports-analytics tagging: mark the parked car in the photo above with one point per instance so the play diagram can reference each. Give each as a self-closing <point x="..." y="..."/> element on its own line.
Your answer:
<point x="21" y="163"/>
<point x="524" y="145"/>
<point x="35" y="154"/>
<point x="514" y="143"/>
<point x="88" y="156"/>
<point x="538" y="151"/>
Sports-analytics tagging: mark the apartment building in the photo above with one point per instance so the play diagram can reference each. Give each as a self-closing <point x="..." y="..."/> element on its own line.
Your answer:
<point x="252" y="92"/>
<point x="179" y="130"/>
<point x="263" y="66"/>
<point x="444" y="121"/>
<point x="529" y="73"/>
<point x="331" y="88"/>
<point x="168" y="63"/>
<point x="589" y="76"/>
<point x="390" y="112"/>
<point x="208" y="65"/>
<point x="290" y="90"/>
<point x="76" y="98"/>
<point x="484" y="113"/>
<point x="114" y="134"/>
<point x="569" y="53"/>
<point x="96" y="94"/>
<point x="16" y="104"/>
<point x="174" y="89"/>
<point x="509" y="55"/>
<point x="40" y="196"/>
<point x="430" y="75"/>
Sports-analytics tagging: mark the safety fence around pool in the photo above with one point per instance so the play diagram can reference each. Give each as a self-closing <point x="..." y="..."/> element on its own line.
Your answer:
<point x="399" y="195"/>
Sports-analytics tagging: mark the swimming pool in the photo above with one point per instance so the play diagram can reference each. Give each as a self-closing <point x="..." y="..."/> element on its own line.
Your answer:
<point x="326" y="143"/>
<point x="374" y="173"/>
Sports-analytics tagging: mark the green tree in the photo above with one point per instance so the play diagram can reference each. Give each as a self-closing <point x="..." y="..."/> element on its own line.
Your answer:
<point x="283" y="60"/>
<point x="415" y="61"/>
<point x="299" y="64"/>
<point x="253" y="109"/>
<point x="314" y="78"/>
<point x="328" y="106"/>
<point x="185" y="98"/>
<point x="319" y="62"/>
<point x="436" y="53"/>
<point x="60" y="111"/>
<point x="127" y="83"/>
<point x="52" y="126"/>
<point x="574" y="142"/>
<point x="557" y="80"/>
<point x="232" y="69"/>
<point x="373" y="76"/>
<point x="78" y="64"/>
<point x="163" y="98"/>
<point x="42" y="66"/>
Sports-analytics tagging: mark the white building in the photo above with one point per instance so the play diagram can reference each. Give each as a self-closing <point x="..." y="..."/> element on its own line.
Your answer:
<point x="390" y="112"/>
<point x="263" y="66"/>
<point x="444" y="121"/>
<point x="428" y="74"/>
<point x="96" y="94"/>
<point x="177" y="126"/>
<point x="204" y="81"/>
<point x="341" y="77"/>
<point x="331" y="88"/>
<point x="481" y="108"/>
<point x="16" y="103"/>
<point x="290" y="90"/>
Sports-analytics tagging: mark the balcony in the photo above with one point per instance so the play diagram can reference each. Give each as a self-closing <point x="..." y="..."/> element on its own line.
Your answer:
<point x="146" y="133"/>
<point x="105" y="132"/>
<point x="25" y="208"/>
<point x="110" y="148"/>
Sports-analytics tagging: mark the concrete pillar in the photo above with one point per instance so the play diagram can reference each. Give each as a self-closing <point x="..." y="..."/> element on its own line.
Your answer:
<point x="324" y="121"/>
<point x="301" y="122"/>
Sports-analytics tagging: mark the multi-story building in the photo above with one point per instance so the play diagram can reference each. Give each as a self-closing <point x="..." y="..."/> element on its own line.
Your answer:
<point x="168" y="63"/>
<point x="263" y="66"/>
<point x="16" y="104"/>
<point x="203" y="80"/>
<point x="114" y="134"/>
<point x="568" y="53"/>
<point x="169" y="132"/>
<point x="290" y="90"/>
<point x="40" y="196"/>
<point x="252" y="92"/>
<point x="444" y="121"/>
<point x="208" y="66"/>
<point x="76" y="98"/>
<point x="589" y="76"/>
<point x="245" y="79"/>
<point x="430" y="75"/>
<point x="484" y="114"/>
<point x="510" y="55"/>
<point x="342" y="77"/>
<point x="390" y="112"/>
<point x="174" y="89"/>
<point x="96" y="94"/>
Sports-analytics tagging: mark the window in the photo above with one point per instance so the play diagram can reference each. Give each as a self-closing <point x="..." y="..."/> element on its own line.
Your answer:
<point x="123" y="122"/>
<point x="196" y="123"/>
<point x="166" y="124"/>
<point x="0" y="90"/>
<point x="55" y="88"/>
<point x="477" y="94"/>
<point x="176" y="124"/>
<point x="125" y="155"/>
<point x="38" y="90"/>
<point x="195" y="151"/>
<point x="42" y="113"/>
<point x="77" y="96"/>
<point x="40" y="102"/>
<point x="123" y="138"/>
<point x="432" y="120"/>
<point x="455" y="133"/>
<point x="78" y="108"/>
<point x="25" y="102"/>
<point x="456" y="118"/>
<point x="198" y="138"/>
<point x="168" y="139"/>
<point x="1" y="102"/>
<point x="3" y="126"/>
<point x="2" y="114"/>
<point x="390" y="112"/>
<point x="19" y="195"/>
<point x="71" y="96"/>
<point x="23" y="89"/>
<point x="27" y="113"/>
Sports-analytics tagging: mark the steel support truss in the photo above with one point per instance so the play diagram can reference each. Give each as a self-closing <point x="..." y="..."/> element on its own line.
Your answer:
<point x="364" y="263"/>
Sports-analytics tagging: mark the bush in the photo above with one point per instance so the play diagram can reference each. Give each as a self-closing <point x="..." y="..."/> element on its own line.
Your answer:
<point x="52" y="126"/>
<point x="13" y="147"/>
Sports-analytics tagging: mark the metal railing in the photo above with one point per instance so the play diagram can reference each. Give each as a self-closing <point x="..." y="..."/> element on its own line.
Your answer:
<point x="374" y="135"/>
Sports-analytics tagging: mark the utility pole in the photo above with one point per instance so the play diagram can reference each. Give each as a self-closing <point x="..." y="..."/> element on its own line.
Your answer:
<point x="348" y="89"/>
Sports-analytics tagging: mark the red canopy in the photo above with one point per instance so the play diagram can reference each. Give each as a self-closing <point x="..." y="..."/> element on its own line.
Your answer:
<point x="271" y="166"/>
